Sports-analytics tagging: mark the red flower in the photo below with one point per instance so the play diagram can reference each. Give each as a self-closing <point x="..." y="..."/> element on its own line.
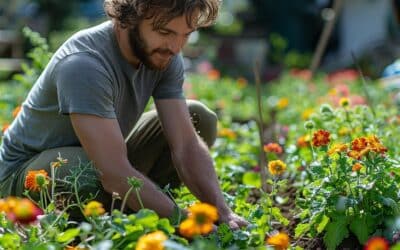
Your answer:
<point x="321" y="138"/>
<point x="273" y="148"/>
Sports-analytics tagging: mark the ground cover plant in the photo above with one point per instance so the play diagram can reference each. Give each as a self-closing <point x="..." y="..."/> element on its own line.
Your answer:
<point x="332" y="172"/>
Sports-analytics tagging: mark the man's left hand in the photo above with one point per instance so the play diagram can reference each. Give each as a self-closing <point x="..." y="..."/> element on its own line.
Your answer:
<point x="233" y="220"/>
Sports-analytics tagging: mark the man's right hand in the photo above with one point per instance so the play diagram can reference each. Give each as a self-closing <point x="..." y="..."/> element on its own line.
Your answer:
<point x="104" y="144"/>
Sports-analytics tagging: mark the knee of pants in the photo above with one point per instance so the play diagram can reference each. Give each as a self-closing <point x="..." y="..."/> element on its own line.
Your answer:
<point x="204" y="121"/>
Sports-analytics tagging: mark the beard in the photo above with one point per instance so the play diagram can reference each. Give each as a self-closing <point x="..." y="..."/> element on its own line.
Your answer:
<point x="140" y="49"/>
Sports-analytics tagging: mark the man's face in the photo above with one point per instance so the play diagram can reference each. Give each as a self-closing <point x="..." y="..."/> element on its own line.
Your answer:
<point x="155" y="47"/>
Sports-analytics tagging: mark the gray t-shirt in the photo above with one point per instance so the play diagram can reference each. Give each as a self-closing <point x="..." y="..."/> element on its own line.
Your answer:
<point x="87" y="75"/>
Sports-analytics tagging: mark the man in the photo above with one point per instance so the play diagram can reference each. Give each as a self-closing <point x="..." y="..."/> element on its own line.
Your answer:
<point x="87" y="105"/>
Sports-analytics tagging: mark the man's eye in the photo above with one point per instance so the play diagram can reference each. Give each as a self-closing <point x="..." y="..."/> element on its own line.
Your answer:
<point x="164" y="33"/>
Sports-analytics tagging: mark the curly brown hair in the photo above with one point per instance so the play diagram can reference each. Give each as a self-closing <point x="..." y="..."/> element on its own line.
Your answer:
<point x="199" y="13"/>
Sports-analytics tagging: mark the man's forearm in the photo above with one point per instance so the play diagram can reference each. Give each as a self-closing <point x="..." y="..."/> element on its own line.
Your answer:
<point x="150" y="195"/>
<point x="195" y="168"/>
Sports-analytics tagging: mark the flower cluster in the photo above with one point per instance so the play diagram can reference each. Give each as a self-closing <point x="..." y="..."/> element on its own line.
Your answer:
<point x="363" y="145"/>
<point x="200" y="220"/>
<point x="20" y="210"/>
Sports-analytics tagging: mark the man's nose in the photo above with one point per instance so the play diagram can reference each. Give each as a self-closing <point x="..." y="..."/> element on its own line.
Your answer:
<point x="175" y="45"/>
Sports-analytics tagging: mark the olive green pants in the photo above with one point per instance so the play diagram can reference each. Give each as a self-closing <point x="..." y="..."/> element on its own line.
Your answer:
<point x="147" y="149"/>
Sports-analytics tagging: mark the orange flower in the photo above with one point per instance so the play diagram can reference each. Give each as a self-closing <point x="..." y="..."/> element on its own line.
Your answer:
<point x="276" y="167"/>
<point x="200" y="220"/>
<point x="36" y="179"/>
<point x="227" y="132"/>
<point x="377" y="243"/>
<point x="241" y="82"/>
<point x="375" y="145"/>
<point x="25" y="212"/>
<point x="5" y="127"/>
<point x="282" y="103"/>
<point x="321" y="138"/>
<point x="359" y="144"/>
<point x="213" y="75"/>
<point x="152" y="241"/>
<point x="303" y="141"/>
<point x="356" y="167"/>
<point x="16" y="111"/>
<point x="337" y="148"/>
<point x="273" y="148"/>
<point x="93" y="208"/>
<point x="279" y="241"/>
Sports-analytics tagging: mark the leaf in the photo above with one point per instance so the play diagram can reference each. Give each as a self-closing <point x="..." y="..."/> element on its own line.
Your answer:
<point x="68" y="235"/>
<point x="324" y="221"/>
<point x="361" y="228"/>
<point x="336" y="231"/>
<point x="276" y="212"/>
<point x="147" y="218"/>
<point x="169" y="244"/>
<point x="252" y="179"/>
<point x="301" y="229"/>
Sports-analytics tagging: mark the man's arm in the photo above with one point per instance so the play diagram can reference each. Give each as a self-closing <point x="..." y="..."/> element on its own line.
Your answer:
<point x="192" y="159"/>
<point x="103" y="142"/>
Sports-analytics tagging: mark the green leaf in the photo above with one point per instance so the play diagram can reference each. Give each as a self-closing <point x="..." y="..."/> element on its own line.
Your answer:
<point x="324" y="221"/>
<point x="361" y="228"/>
<point x="252" y="179"/>
<point x="276" y="212"/>
<point x="68" y="235"/>
<point x="147" y="218"/>
<point x="301" y="229"/>
<point x="336" y="231"/>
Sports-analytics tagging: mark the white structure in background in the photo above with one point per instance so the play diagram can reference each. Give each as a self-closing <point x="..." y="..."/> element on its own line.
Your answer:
<point x="363" y="24"/>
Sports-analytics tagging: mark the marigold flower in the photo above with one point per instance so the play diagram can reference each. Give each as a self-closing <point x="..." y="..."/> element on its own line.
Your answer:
<point x="359" y="144"/>
<point x="152" y="241"/>
<point x="276" y="167"/>
<point x="279" y="241"/>
<point x="93" y="208"/>
<point x="337" y="148"/>
<point x="241" y="82"/>
<point x="25" y="212"/>
<point x="303" y="141"/>
<point x="36" y="179"/>
<point x="213" y="75"/>
<point x="356" y="167"/>
<point x="321" y="138"/>
<point x="377" y="243"/>
<point x="200" y="220"/>
<point x="375" y="145"/>
<point x="273" y="148"/>
<point x="282" y="103"/>
<point x="227" y="132"/>
<point x="16" y="111"/>
<point x="344" y="102"/>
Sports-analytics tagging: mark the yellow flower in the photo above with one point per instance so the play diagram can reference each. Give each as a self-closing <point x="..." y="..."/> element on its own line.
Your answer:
<point x="94" y="208"/>
<point x="227" y="132"/>
<point x="282" y="103"/>
<point x="152" y="241"/>
<point x="60" y="161"/>
<point x="276" y="167"/>
<point x="344" y="131"/>
<point x="307" y="113"/>
<point x="36" y="179"/>
<point x="200" y="220"/>
<point x="344" y="102"/>
<point x="279" y="241"/>
<point x="337" y="148"/>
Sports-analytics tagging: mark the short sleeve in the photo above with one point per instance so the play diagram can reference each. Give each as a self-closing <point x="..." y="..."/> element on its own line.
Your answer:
<point x="171" y="81"/>
<point x="83" y="86"/>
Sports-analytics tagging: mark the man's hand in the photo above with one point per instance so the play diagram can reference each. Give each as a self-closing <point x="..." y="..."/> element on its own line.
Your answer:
<point x="233" y="220"/>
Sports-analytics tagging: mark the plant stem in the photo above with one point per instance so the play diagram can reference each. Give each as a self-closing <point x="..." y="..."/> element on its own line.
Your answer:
<point x="126" y="198"/>
<point x="138" y="197"/>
